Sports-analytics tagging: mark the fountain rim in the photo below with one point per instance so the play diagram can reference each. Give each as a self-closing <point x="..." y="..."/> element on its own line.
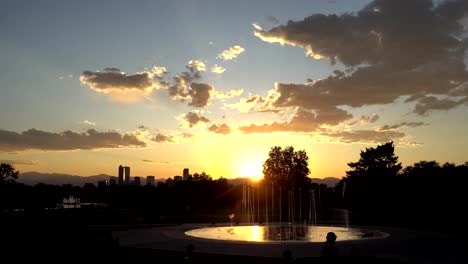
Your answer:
<point x="384" y="235"/>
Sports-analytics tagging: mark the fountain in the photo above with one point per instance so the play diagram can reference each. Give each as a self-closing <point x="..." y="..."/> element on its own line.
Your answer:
<point x="253" y="229"/>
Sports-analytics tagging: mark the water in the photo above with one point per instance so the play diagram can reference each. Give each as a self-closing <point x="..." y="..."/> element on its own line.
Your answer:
<point x="284" y="233"/>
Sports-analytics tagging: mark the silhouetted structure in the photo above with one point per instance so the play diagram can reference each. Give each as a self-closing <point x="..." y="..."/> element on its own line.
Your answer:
<point x="150" y="180"/>
<point x="186" y="174"/>
<point x="137" y="181"/>
<point x="121" y="175"/>
<point x="127" y="175"/>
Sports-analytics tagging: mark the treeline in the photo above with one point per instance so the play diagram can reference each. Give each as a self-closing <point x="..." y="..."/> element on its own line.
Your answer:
<point x="378" y="191"/>
<point x="198" y="199"/>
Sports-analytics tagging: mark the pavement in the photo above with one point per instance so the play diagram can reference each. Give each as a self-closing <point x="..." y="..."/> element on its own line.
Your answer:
<point x="403" y="245"/>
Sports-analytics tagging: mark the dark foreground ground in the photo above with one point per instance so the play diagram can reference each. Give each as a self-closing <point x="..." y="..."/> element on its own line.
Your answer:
<point x="42" y="238"/>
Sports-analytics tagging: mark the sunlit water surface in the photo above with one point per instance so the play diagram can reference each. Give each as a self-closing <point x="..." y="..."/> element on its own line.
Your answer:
<point x="288" y="233"/>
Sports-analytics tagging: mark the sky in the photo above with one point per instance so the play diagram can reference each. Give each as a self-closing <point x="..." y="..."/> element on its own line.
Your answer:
<point x="211" y="86"/>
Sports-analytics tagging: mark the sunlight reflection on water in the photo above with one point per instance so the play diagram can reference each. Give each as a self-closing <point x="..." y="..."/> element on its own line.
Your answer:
<point x="284" y="233"/>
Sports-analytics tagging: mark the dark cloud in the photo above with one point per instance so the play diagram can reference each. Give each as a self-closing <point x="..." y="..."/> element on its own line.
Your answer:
<point x="113" y="79"/>
<point x="19" y="162"/>
<point x="220" y="128"/>
<point x="365" y="136"/>
<point x="428" y="103"/>
<point x="201" y="93"/>
<point x="391" y="48"/>
<point x="160" y="138"/>
<point x="68" y="140"/>
<point x="145" y="160"/>
<point x="185" y="88"/>
<point x="302" y="121"/>
<point x="193" y="118"/>
<point x="402" y="124"/>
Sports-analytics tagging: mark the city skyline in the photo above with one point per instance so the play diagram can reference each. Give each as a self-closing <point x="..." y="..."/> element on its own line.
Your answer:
<point x="213" y="85"/>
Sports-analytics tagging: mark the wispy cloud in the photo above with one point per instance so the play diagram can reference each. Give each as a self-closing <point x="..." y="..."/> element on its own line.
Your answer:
<point x="88" y="123"/>
<point x="217" y="69"/>
<point x="231" y="53"/>
<point x="220" y="128"/>
<point x="198" y="64"/>
<point x="67" y="140"/>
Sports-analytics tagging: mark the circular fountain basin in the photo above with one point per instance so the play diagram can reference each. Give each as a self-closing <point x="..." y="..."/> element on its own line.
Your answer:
<point x="282" y="233"/>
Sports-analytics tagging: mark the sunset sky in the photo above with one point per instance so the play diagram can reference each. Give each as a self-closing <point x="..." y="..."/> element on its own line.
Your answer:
<point x="212" y="85"/>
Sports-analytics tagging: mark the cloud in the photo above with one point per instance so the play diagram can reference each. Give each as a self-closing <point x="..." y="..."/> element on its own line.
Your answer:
<point x="366" y="119"/>
<point x="220" y="128"/>
<point x="160" y="138"/>
<point x="19" y="162"/>
<point x="365" y="136"/>
<point x="402" y="124"/>
<point x="426" y="104"/>
<point x="185" y="88"/>
<point x="231" y="53"/>
<point x="191" y="119"/>
<point x="419" y="53"/>
<point x="122" y="86"/>
<point x="302" y="121"/>
<point x="229" y="94"/>
<point x="257" y="26"/>
<point x="88" y="123"/>
<point x="199" y="65"/>
<point x="67" y="140"/>
<point x="217" y="69"/>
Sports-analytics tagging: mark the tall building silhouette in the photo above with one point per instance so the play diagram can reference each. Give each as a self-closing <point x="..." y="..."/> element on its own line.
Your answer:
<point x="121" y="175"/>
<point x="124" y="175"/>
<point x="127" y="175"/>
<point x="186" y="174"/>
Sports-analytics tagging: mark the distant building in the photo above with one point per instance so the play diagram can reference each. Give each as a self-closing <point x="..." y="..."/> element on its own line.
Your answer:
<point x="150" y="180"/>
<point x="137" y="181"/>
<point x="124" y="175"/>
<point x="186" y="174"/>
<point x="127" y="175"/>
<point x="112" y="181"/>
<point x="170" y="182"/>
<point x="178" y="178"/>
<point x="121" y="175"/>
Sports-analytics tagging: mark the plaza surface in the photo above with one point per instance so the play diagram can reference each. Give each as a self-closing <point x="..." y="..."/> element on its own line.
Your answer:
<point x="403" y="245"/>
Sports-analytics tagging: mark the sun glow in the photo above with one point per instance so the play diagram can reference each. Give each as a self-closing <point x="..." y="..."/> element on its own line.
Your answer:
<point x="251" y="168"/>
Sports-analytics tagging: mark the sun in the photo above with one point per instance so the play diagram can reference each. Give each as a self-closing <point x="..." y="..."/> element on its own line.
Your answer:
<point x="251" y="169"/>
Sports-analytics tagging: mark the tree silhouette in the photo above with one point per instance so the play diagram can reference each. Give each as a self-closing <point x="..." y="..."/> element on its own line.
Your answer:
<point x="286" y="167"/>
<point x="8" y="173"/>
<point x="379" y="162"/>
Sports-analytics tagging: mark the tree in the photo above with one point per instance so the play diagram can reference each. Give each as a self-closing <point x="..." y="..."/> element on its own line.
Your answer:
<point x="8" y="173"/>
<point x="286" y="167"/>
<point x="379" y="162"/>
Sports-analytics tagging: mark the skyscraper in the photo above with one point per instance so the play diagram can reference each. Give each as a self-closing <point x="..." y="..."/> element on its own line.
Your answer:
<point x="127" y="175"/>
<point x="121" y="175"/>
<point x="186" y="174"/>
